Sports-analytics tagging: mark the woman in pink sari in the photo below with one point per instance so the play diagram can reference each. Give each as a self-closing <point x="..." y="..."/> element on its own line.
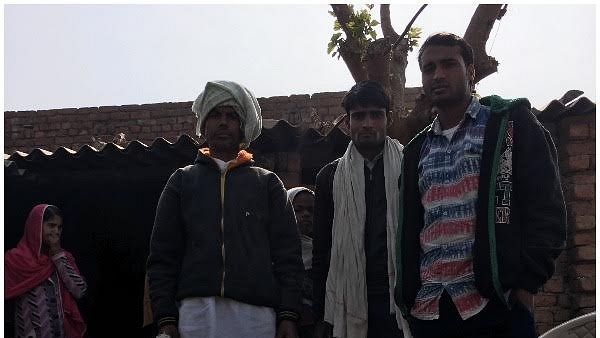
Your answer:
<point x="43" y="280"/>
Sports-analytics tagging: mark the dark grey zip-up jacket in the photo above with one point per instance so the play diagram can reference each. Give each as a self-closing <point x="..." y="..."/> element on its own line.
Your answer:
<point x="520" y="217"/>
<point x="231" y="235"/>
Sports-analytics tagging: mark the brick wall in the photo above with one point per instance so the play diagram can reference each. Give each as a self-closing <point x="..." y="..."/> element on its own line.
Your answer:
<point x="74" y="127"/>
<point x="571" y="292"/>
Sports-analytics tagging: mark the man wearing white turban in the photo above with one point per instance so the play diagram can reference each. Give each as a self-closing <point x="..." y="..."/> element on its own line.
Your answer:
<point x="225" y="258"/>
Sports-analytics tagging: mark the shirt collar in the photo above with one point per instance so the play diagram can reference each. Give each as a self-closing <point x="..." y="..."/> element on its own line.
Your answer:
<point x="370" y="164"/>
<point x="472" y="111"/>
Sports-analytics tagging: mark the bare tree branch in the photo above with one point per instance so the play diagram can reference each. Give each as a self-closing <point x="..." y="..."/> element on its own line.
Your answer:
<point x="401" y="36"/>
<point x="477" y="34"/>
<point x="386" y="22"/>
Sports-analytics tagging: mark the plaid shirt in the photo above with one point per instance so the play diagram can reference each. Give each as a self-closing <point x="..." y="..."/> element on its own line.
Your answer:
<point x="448" y="183"/>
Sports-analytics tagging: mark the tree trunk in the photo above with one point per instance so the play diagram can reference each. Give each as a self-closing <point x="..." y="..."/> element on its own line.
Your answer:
<point x="350" y="51"/>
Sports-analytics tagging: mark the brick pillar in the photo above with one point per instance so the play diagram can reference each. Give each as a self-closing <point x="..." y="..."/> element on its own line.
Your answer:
<point x="571" y="291"/>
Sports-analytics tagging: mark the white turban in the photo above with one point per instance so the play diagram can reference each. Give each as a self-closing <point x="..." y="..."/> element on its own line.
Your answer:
<point x="228" y="93"/>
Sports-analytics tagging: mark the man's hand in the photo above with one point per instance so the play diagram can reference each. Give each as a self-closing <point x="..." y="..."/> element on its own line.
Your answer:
<point x="323" y="330"/>
<point x="170" y="330"/>
<point x="287" y="329"/>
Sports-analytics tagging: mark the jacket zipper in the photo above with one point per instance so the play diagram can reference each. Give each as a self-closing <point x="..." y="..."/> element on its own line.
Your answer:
<point x="223" y="231"/>
<point x="492" y="209"/>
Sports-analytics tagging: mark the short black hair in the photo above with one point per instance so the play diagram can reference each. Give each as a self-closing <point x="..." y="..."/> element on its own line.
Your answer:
<point x="51" y="210"/>
<point x="366" y="93"/>
<point x="448" y="39"/>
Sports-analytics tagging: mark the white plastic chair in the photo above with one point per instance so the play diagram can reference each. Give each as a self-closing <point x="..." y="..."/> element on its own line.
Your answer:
<point x="580" y="327"/>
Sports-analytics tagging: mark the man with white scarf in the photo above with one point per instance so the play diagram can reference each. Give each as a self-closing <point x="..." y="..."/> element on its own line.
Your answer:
<point x="355" y="218"/>
<point x="225" y="258"/>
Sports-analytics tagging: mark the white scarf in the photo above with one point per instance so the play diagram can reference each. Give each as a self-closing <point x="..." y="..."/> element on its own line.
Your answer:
<point x="346" y="292"/>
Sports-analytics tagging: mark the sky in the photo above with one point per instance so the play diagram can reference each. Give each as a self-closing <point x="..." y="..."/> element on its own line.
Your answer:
<point x="76" y="55"/>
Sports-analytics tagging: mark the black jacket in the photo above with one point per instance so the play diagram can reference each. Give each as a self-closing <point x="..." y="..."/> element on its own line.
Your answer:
<point x="519" y="254"/>
<point x="232" y="235"/>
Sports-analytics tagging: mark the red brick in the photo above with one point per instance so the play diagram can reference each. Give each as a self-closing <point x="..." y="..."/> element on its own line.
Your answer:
<point x="268" y="114"/>
<point x="545" y="300"/>
<point x="544" y="316"/>
<point x="108" y="109"/>
<point x="580" y="208"/>
<point x="186" y="119"/>
<point x="100" y="116"/>
<point x="129" y="107"/>
<point x="554" y="284"/>
<point x="165" y="120"/>
<point x="564" y="301"/>
<point x="584" y="270"/>
<point x="64" y="140"/>
<point x="561" y="316"/>
<point x="583" y="300"/>
<point x="119" y="115"/>
<point x="583" y="253"/>
<point x="583" y="191"/>
<point x="585" y="223"/>
<point x="581" y="178"/>
<point x="140" y="115"/>
<point x="578" y="131"/>
<point x="86" y="139"/>
<point x="585" y="148"/>
<point x="583" y="284"/>
<point x="576" y="163"/>
<point x="585" y="238"/>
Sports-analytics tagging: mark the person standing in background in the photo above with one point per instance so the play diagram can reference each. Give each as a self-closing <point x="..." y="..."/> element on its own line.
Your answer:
<point x="303" y="200"/>
<point x="44" y="280"/>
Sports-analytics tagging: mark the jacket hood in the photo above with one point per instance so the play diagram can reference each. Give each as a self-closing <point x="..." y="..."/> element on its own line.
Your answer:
<point x="498" y="104"/>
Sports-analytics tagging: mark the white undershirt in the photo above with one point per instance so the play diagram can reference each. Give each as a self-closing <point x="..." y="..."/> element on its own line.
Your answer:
<point x="450" y="132"/>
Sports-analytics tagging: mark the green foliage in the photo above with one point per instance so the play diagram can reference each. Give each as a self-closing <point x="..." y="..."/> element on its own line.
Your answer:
<point x="414" y="33"/>
<point x="361" y="27"/>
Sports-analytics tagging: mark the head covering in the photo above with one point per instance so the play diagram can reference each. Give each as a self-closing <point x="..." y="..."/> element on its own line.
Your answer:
<point x="228" y="93"/>
<point x="305" y="241"/>
<point x="25" y="267"/>
<point x="291" y="193"/>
